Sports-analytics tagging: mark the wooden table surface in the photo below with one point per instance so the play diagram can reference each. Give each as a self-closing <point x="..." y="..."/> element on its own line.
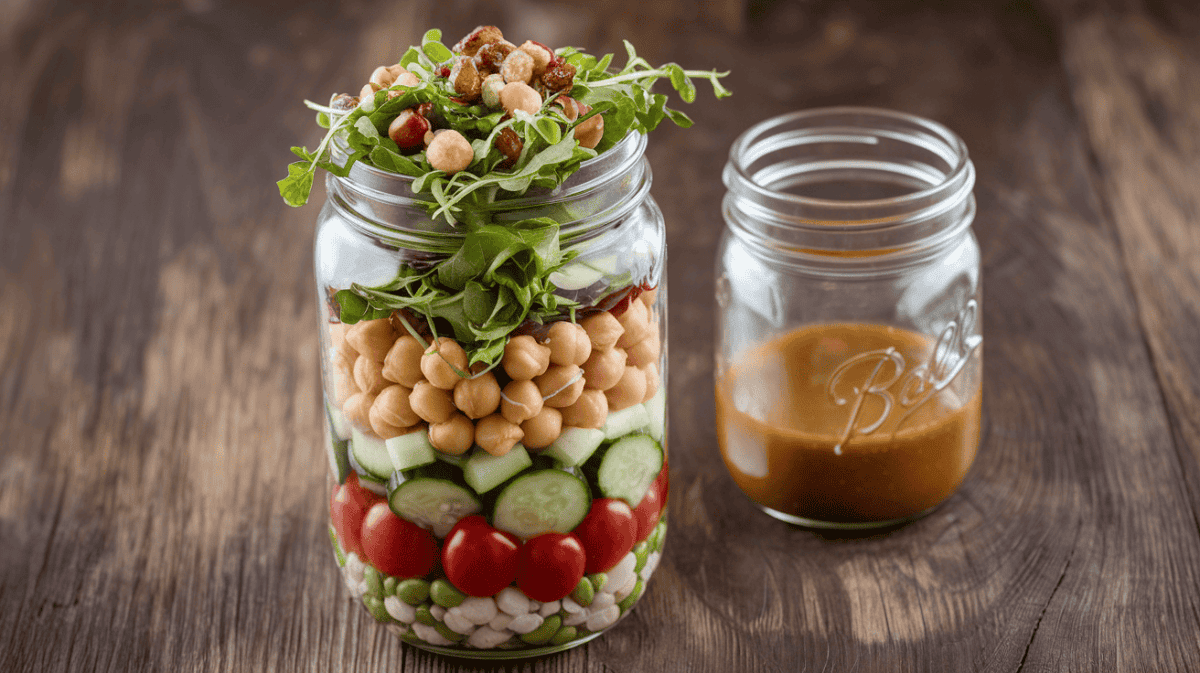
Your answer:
<point x="162" y="504"/>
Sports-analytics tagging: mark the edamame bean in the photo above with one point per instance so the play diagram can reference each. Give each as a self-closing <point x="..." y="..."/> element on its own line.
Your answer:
<point x="542" y="634"/>
<point x="374" y="582"/>
<point x="565" y="635"/>
<point x="425" y="616"/>
<point x="389" y="586"/>
<point x="337" y="550"/>
<point x="659" y="535"/>
<point x="629" y="600"/>
<point x="641" y="551"/>
<point x="448" y="633"/>
<point x="444" y="594"/>
<point x="413" y="591"/>
<point x="598" y="580"/>
<point x="375" y="606"/>
<point x="584" y="592"/>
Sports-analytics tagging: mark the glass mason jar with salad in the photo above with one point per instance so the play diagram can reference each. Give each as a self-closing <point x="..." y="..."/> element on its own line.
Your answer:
<point x="491" y="274"/>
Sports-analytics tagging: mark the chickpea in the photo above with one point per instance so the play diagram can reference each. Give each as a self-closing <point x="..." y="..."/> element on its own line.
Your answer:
<point x="541" y="430"/>
<point x="358" y="410"/>
<point x="636" y="321"/>
<point x="520" y="96"/>
<point x="344" y="384"/>
<point x="490" y="90"/>
<point x="479" y="396"/>
<point x="652" y="380"/>
<point x="402" y="77"/>
<point x="382" y="77"/>
<point x="650" y="296"/>
<point x="604" y="368"/>
<point x="393" y="407"/>
<point x="540" y="54"/>
<point x="403" y="362"/>
<point x="630" y="390"/>
<point x="517" y="67"/>
<point x="440" y="361"/>
<point x="521" y="401"/>
<point x="560" y="385"/>
<point x="337" y="334"/>
<point x="569" y="344"/>
<point x="591" y="132"/>
<point x="368" y="92"/>
<point x="449" y="151"/>
<point x="589" y="411"/>
<point x="525" y="358"/>
<point x="603" y="329"/>
<point x="454" y="437"/>
<point x="372" y="338"/>
<point x="647" y="350"/>
<point x="381" y="427"/>
<point x="496" y="435"/>
<point x="368" y="374"/>
<point x="433" y="405"/>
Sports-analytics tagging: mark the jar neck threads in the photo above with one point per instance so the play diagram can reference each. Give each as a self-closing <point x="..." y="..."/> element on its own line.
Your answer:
<point x="849" y="187"/>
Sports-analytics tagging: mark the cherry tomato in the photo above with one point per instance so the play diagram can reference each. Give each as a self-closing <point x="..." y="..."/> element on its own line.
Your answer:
<point x="478" y="559"/>
<point x="347" y="508"/>
<point x="550" y="565"/>
<point x="606" y="533"/>
<point x="650" y="508"/>
<point x="396" y="546"/>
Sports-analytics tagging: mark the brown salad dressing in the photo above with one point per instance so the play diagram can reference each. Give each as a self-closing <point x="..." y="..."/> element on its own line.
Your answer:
<point x="849" y="423"/>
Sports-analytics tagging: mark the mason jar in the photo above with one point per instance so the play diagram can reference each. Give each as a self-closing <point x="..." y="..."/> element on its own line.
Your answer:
<point x="500" y="508"/>
<point x="848" y="355"/>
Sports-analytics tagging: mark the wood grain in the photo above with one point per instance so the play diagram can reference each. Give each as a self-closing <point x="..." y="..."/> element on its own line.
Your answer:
<point x="162" y="498"/>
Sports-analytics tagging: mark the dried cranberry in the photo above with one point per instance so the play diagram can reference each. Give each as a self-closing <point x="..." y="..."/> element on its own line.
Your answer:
<point x="510" y="145"/>
<point x="559" y="77"/>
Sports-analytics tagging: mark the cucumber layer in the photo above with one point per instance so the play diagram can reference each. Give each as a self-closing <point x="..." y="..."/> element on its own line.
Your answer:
<point x="542" y="501"/>
<point x="657" y="406"/>
<point x="483" y="471"/>
<point x="436" y="504"/>
<point x="410" y="450"/>
<point x="628" y="467"/>
<point x="625" y="421"/>
<point x="575" y="445"/>
<point x="372" y="454"/>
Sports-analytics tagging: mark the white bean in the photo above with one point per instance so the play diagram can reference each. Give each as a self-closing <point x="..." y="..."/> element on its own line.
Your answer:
<point x="429" y="634"/>
<point x="439" y="612"/>
<point x="399" y="610"/>
<point x="485" y="637"/>
<point x="479" y="610"/>
<point x="354" y="568"/>
<point x="500" y="621"/>
<point x="457" y="623"/>
<point x="620" y="574"/>
<point x="549" y="608"/>
<point x="571" y="606"/>
<point x="525" y="623"/>
<point x="651" y="564"/>
<point x="512" y="601"/>
<point x="576" y="619"/>
<point x="604" y="618"/>
<point x="626" y="589"/>
<point x="601" y="601"/>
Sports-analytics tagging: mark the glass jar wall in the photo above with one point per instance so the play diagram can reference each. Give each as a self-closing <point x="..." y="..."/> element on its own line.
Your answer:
<point x="848" y="372"/>
<point x="510" y="508"/>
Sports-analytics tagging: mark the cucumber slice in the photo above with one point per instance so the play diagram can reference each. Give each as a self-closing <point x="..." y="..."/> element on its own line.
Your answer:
<point x="483" y="471"/>
<point x="337" y="450"/>
<point x="371" y="454"/>
<point x="657" y="406"/>
<point x="456" y="461"/>
<point x="575" y="445"/>
<point x="436" y="504"/>
<point x="625" y="421"/>
<point x="628" y="467"/>
<point x="542" y="501"/>
<point x="410" y="450"/>
<point x="341" y="426"/>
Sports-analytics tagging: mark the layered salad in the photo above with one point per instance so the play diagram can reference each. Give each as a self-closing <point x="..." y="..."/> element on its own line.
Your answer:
<point x="496" y="410"/>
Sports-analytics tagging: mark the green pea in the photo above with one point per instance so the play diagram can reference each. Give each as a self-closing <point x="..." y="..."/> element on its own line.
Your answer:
<point x="583" y="593"/>
<point x="375" y="607"/>
<point x="542" y="634"/>
<point x="425" y="616"/>
<point x="373" y="581"/>
<point x="337" y="550"/>
<point x="565" y="635"/>
<point x="641" y="551"/>
<point x="389" y="586"/>
<point x="445" y="595"/>
<point x="448" y="633"/>
<point x="598" y="580"/>
<point x="629" y="600"/>
<point x="413" y="592"/>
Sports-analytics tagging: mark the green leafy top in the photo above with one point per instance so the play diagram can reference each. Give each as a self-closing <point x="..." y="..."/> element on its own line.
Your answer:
<point x="550" y="152"/>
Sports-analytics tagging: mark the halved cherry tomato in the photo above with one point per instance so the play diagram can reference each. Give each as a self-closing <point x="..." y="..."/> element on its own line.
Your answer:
<point x="550" y="565"/>
<point x="479" y="560"/>
<point x="647" y="512"/>
<point x="347" y="508"/>
<point x="396" y="546"/>
<point x="606" y="533"/>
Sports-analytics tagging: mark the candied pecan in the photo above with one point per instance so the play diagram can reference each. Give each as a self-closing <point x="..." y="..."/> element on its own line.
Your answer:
<point x="510" y="145"/>
<point x="559" y="77"/>
<point x="475" y="39"/>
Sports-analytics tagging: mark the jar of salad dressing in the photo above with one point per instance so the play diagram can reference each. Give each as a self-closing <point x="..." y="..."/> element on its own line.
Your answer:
<point x="849" y="347"/>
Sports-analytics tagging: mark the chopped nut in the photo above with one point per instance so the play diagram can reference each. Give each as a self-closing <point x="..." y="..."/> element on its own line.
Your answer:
<point x="465" y="78"/>
<point x="475" y="39"/>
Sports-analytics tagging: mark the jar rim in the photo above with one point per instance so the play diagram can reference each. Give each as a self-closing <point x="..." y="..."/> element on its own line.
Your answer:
<point x="804" y="211"/>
